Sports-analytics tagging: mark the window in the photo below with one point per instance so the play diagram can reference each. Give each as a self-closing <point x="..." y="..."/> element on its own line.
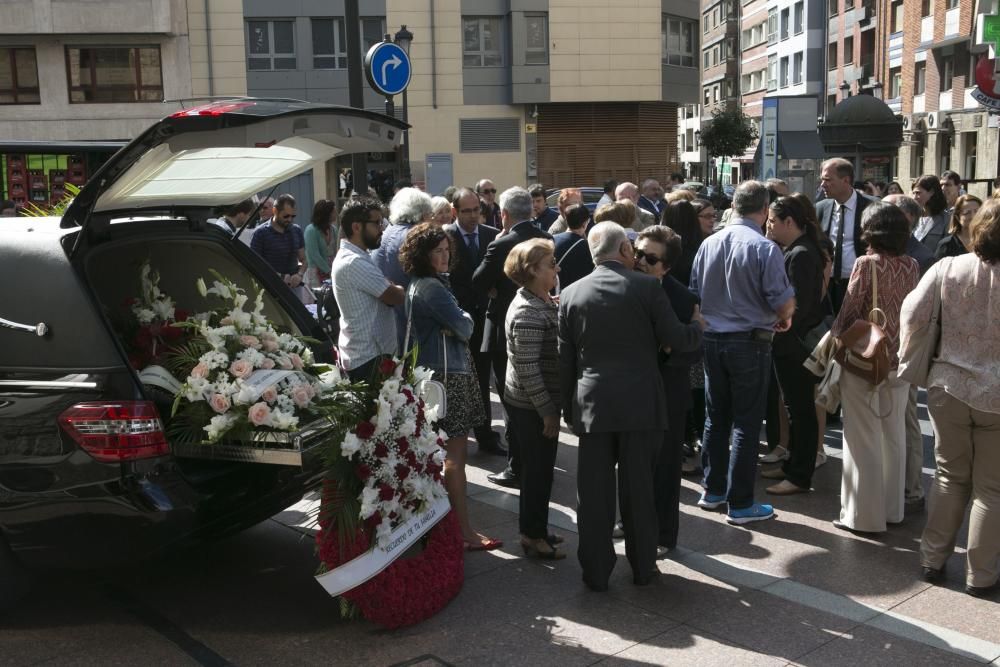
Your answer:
<point x="834" y="8"/>
<point x="797" y="68"/>
<point x="898" y="12"/>
<point x="746" y="81"/>
<point x="947" y="72"/>
<point x="785" y="27"/>
<point x="536" y="49"/>
<point x="707" y="26"/>
<point x="716" y="90"/>
<point x="919" y="78"/>
<point x="715" y="55"/>
<point x="329" y="44"/>
<point x="678" y="41"/>
<point x="799" y="10"/>
<point x="18" y="76"/>
<point x="895" y="83"/>
<point x="271" y="45"/>
<point x="772" y="26"/>
<point x="482" y="44"/>
<point x="951" y="4"/>
<point x="783" y="80"/>
<point x="848" y="4"/>
<point x="707" y="58"/>
<point x="831" y="56"/>
<point x="925" y="8"/>
<point x="114" y="74"/>
<point x="372" y="31"/>
<point x="831" y="101"/>
<point x="848" y="50"/>
<point x="708" y="95"/>
<point x="772" y="72"/>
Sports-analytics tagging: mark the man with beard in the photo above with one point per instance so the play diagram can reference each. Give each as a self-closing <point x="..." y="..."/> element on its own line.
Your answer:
<point x="365" y="296"/>
<point x="281" y="243"/>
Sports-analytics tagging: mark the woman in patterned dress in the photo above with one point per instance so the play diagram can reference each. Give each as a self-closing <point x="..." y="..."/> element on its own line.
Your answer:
<point x="440" y="330"/>
<point x="874" y="472"/>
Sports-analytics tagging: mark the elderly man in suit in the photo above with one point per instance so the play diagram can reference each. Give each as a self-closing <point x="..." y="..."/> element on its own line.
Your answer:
<point x="630" y="192"/>
<point x="612" y="325"/>
<point x="651" y="198"/>
<point x="470" y="241"/>
<point x="489" y="278"/>
<point x="839" y="216"/>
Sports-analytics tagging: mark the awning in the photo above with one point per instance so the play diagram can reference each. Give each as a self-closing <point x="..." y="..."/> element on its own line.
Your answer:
<point x="60" y="147"/>
<point x="800" y="146"/>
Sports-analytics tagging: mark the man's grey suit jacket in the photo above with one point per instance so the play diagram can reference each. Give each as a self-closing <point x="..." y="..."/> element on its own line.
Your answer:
<point x="612" y="323"/>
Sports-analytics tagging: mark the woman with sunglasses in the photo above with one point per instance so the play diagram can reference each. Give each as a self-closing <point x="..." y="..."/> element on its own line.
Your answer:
<point x="656" y="249"/>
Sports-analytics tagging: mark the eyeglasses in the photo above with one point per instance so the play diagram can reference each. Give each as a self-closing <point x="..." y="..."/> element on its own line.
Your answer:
<point x="488" y="191"/>
<point x="651" y="260"/>
<point x="706" y="215"/>
<point x="469" y="210"/>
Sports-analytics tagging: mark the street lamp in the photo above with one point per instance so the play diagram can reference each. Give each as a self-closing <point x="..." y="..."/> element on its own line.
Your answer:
<point x="701" y="163"/>
<point x="403" y="38"/>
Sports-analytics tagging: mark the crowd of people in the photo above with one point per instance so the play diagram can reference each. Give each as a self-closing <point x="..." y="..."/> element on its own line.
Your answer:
<point x="666" y="338"/>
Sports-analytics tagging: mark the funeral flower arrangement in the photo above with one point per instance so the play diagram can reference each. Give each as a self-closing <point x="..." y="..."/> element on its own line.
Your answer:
<point x="154" y="328"/>
<point x="241" y="376"/>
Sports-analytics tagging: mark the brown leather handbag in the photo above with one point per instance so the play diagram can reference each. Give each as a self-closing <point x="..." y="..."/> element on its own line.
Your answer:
<point x="863" y="349"/>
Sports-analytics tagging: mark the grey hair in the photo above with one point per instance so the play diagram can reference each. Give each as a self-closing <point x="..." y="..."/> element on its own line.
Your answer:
<point x="605" y="239"/>
<point x="439" y="204"/>
<point x="481" y="183"/>
<point x="517" y="202"/>
<point x="410" y="205"/>
<point x="750" y="197"/>
<point x="625" y="187"/>
<point x="908" y="205"/>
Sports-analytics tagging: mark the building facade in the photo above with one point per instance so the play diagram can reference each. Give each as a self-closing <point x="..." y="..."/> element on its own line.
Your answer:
<point x="567" y="93"/>
<point x="754" y="73"/>
<point x="102" y="71"/>
<point x="693" y="157"/>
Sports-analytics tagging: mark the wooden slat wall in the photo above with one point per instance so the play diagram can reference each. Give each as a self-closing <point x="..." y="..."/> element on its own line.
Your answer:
<point x="587" y="144"/>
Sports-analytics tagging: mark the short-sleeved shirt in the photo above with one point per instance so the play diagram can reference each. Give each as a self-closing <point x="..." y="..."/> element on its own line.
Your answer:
<point x="739" y="275"/>
<point x="367" y="326"/>
<point x="279" y="249"/>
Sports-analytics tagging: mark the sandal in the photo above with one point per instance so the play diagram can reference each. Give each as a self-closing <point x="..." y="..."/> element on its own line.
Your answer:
<point x="485" y="544"/>
<point x="531" y="549"/>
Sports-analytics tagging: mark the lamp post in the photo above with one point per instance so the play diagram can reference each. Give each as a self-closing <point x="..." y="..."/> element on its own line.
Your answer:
<point x="701" y="163"/>
<point x="403" y="38"/>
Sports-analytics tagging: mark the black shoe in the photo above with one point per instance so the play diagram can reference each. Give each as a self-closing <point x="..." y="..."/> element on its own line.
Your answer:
<point x="506" y="478"/>
<point x="597" y="588"/>
<point x="983" y="591"/>
<point x="932" y="576"/>
<point x="647" y="579"/>
<point x="490" y="444"/>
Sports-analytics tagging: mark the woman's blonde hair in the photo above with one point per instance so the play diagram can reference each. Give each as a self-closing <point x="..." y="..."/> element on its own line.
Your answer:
<point x="679" y="194"/>
<point x="524" y="257"/>
<point x="623" y="212"/>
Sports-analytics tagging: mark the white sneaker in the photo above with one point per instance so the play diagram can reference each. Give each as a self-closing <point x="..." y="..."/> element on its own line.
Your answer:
<point x="777" y="455"/>
<point x="820" y="458"/>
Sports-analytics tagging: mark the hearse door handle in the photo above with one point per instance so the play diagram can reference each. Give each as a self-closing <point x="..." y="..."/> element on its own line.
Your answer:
<point x="39" y="329"/>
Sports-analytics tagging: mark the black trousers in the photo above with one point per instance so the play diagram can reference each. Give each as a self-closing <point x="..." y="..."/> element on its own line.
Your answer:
<point x="366" y="371"/>
<point x="798" y="387"/>
<point x="774" y="407"/>
<point x="667" y="474"/>
<point x="635" y="452"/>
<point x="538" y="459"/>
<point x="498" y="357"/>
<point x="483" y="432"/>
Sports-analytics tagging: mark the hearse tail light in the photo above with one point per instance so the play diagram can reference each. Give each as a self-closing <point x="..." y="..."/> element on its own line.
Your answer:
<point x="116" y="431"/>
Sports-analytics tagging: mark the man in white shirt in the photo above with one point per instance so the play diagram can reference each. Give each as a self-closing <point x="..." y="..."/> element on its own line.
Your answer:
<point x="365" y="296"/>
<point x="840" y="217"/>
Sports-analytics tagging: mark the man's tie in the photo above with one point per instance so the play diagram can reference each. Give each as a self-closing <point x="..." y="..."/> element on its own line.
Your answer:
<point x="838" y="251"/>
<point x="473" y="242"/>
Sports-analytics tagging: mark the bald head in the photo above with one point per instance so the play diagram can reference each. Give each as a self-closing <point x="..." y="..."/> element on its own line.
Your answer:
<point x="908" y="205"/>
<point x="628" y="191"/>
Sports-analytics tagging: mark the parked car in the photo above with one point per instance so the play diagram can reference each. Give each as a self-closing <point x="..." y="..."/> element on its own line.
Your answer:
<point x="590" y="197"/>
<point x="717" y="194"/>
<point x="88" y="475"/>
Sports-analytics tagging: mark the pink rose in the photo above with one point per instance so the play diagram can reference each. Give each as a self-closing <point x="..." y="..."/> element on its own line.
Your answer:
<point x="270" y="394"/>
<point x="267" y="364"/>
<point x="270" y="342"/>
<point x="301" y="395"/>
<point x="219" y="403"/>
<point x="241" y="368"/>
<point x="296" y="361"/>
<point x="250" y="341"/>
<point x="259" y="414"/>
<point x="226" y="321"/>
<point x="285" y="363"/>
<point x="200" y="371"/>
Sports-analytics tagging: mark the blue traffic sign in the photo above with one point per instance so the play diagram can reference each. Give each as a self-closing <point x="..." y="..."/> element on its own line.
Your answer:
<point x="388" y="68"/>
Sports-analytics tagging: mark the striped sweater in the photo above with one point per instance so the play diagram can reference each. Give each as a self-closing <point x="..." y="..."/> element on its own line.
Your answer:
<point x="532" y="381"/>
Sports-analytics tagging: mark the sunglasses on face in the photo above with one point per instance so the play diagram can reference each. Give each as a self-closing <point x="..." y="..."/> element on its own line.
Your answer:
<point x="489" y="191"/>
<point x="651" y="260"/>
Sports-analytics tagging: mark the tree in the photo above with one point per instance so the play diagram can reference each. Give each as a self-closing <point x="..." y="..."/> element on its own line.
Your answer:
<point x="729" y="133"/>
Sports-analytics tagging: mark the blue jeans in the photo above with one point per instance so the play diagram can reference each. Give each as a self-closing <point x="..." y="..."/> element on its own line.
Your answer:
<point x="736" y="382"/>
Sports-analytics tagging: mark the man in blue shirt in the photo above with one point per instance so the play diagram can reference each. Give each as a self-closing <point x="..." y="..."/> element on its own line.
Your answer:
<point x="281" y="243"/>
<point x="745" y="297"/>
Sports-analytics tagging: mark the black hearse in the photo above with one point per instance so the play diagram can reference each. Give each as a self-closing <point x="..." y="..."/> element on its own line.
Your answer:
<point x="87" y="474"/>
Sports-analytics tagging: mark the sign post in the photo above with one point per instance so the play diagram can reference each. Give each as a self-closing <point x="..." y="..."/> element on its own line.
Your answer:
<point x="387" y="67"/>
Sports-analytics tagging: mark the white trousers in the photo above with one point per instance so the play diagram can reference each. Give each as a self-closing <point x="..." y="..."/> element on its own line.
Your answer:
<point x="874" y="475"/>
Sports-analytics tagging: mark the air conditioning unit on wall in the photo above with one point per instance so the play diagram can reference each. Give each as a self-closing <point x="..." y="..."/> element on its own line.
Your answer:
<point x="934" y="119"/>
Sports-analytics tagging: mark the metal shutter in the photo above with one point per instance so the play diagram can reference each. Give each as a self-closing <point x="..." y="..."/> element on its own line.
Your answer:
<point x="489" y="135"/>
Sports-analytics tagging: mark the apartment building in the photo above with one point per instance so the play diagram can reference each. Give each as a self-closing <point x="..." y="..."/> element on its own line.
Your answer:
<point x="754" y="75"/>
<point x="567" y="93"/>
<point x="694" y="161"/>
<point x="720" y="68"/>
<point x="932" y="56"/>
<point x="78" y="79"/>
<point x="795" y="48"/>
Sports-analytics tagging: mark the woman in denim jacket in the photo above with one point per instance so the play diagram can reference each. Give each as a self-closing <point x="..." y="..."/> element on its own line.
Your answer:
<point x="440" y="330"/>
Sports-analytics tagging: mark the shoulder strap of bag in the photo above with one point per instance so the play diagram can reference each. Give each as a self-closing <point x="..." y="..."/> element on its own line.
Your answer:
<point x="873" y="314"/>
<point x="408" y="306"/>
<point x="566" y="254"/>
